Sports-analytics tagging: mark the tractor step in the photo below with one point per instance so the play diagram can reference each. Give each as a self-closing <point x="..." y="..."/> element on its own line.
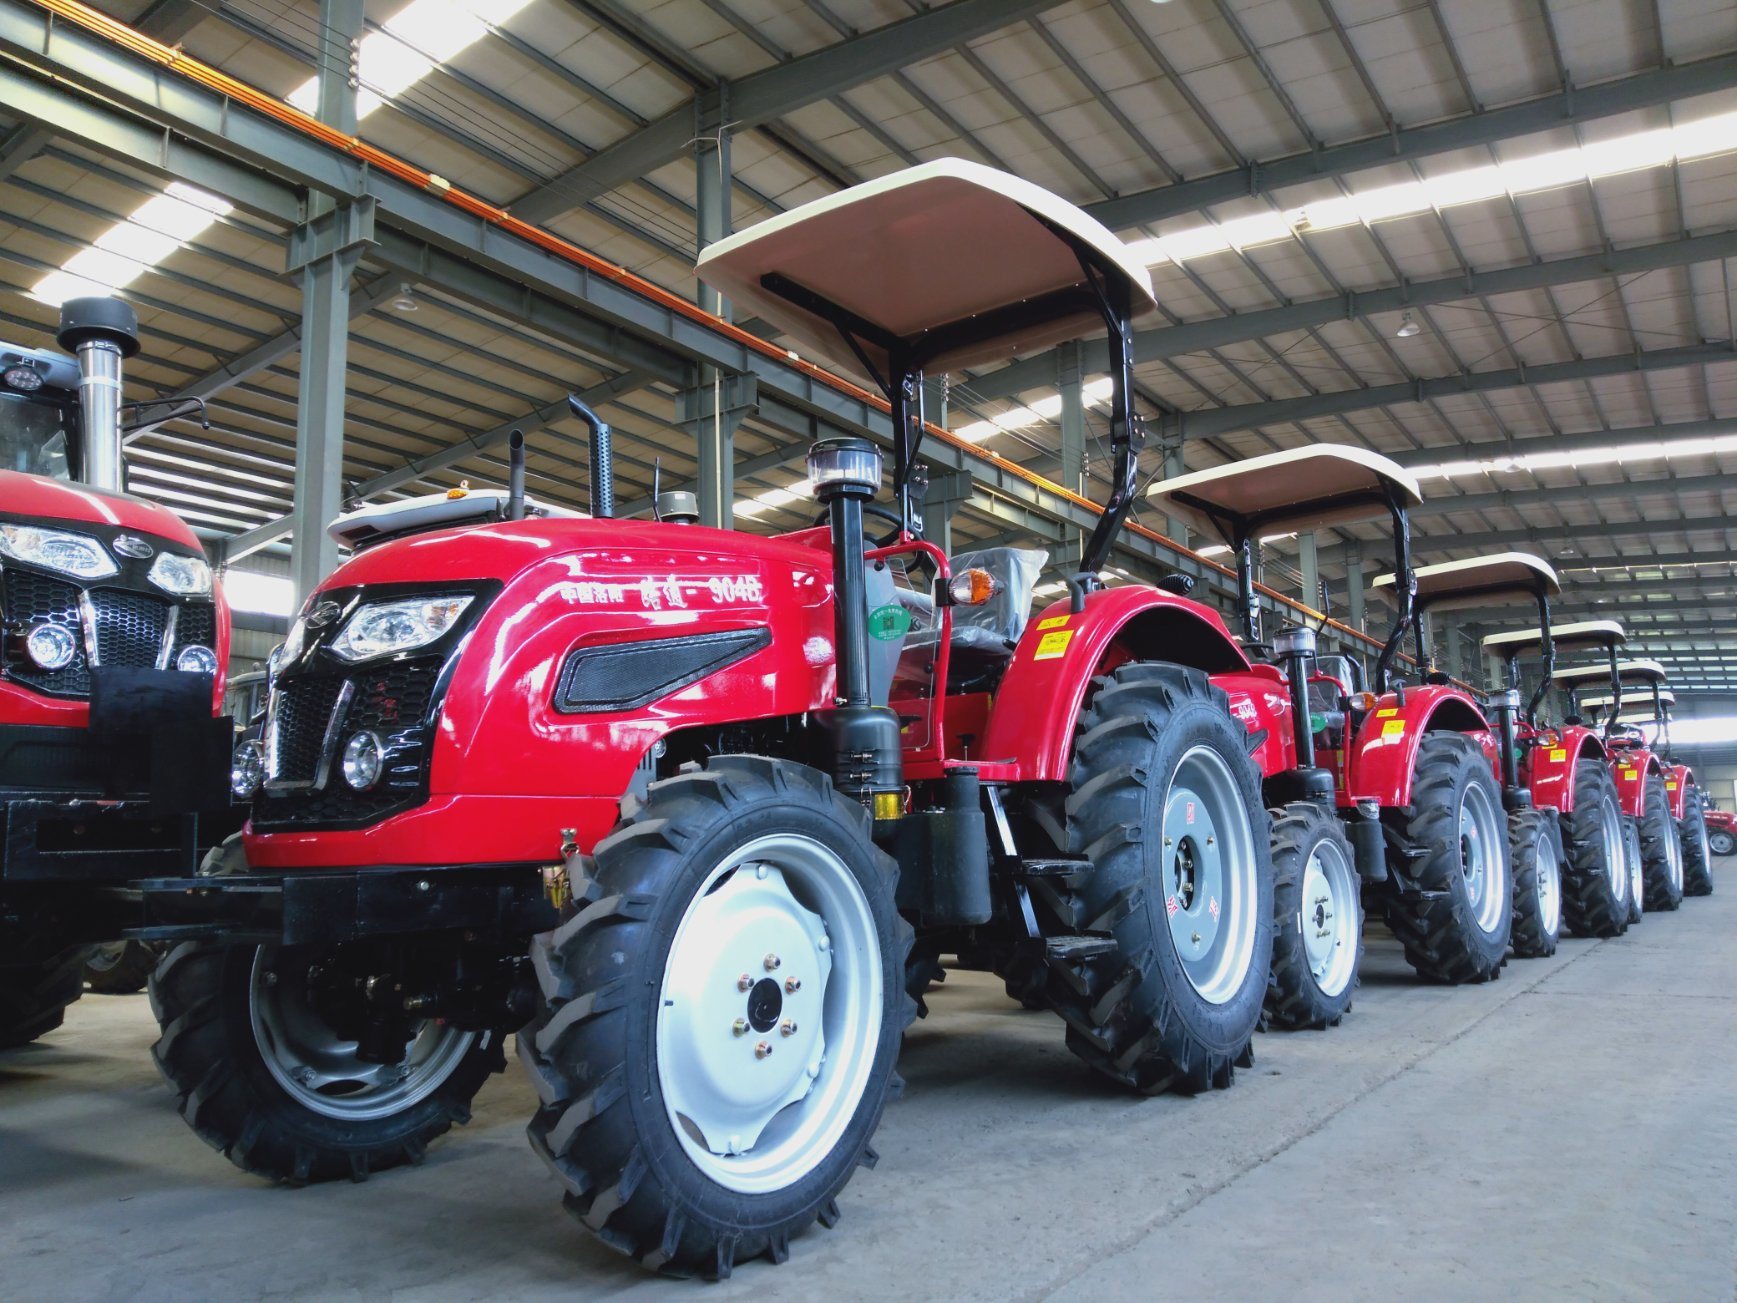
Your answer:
<point x="1049" y="868"/>
<point x="1077" y="950"/>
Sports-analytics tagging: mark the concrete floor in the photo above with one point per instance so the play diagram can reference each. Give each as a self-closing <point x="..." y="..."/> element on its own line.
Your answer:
<point x="1568" y="1131"/>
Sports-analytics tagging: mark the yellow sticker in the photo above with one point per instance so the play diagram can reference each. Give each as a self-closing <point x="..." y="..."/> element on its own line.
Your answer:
<point x="1054" y="622"/>
<point x="1052" y="646"/>
<point x="1393" y="728"/>
<point x="1387" y="712"/>
<point x="1559" y="755"/>
<point x="1670" y="787"/>
<point x="1627" y="772"/>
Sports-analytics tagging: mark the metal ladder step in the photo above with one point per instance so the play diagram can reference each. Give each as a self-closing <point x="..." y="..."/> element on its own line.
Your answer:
<point x="1050" y="868"/>
<point x="1076" y="950"/>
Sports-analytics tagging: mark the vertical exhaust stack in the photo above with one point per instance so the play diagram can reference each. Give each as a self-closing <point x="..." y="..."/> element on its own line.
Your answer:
<point x="602" y="458"/>
<point x="516" y="475"/>
<point x="102" y="332"/>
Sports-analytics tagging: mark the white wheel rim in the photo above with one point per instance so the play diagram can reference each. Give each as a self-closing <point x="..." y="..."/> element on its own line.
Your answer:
<point x="760" y="1077"/>
<point x="1481" y="858"/>
<point x="1632" y="860"/>
<point x="321" y="1069"/>
<point x="1549" y="886"/>
<point x="1674" y="857"/>
<point x="1209" y="875"/>
<point x="1723" y="843"/>
<point x="1328" y="917"/>
<point x="1615" y="847"/>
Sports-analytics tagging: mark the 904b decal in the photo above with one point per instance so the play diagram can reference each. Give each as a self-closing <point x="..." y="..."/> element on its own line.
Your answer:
<point x="671" y="592"/>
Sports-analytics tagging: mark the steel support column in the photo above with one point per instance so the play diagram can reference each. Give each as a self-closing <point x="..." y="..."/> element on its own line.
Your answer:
<point x="1175" y="528"/>
<point x="711" y="412"/>
<point x="326" y="251"/>
<point x="713" y="183"/>
<point x="1354" y="587"/>
<point x="1311" y="571"/>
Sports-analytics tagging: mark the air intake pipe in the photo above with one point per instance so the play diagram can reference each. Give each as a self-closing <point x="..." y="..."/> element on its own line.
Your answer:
<point x="103" y="332"/>
<point x="516" y="475"/>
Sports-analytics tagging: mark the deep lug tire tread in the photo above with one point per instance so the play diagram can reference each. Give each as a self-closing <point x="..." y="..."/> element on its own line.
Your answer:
<point x="1294" y="1001"/>
<point x="34" y="999"/>
<point x="128" y="974"/>
<point x="1590" y="907"/>
<point x="1692" y="828"/>
<point x="1431" y="914"/>
<point x="200" y="995"/>
<point x="1131" y="1013"/>
<point x="1657" y="830"/>
<point x="1527" y="831"/>
<point x="650" y="1202"/>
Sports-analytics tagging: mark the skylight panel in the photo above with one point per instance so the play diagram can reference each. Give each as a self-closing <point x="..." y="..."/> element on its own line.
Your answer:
<point x="121" y="254"/>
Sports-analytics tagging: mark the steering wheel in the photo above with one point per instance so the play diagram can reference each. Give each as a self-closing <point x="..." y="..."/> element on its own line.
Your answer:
<point x="874" y="509"/>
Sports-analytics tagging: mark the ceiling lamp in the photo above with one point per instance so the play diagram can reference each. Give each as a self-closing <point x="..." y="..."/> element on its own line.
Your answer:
<point x="1408" y="327"/>
<point x="405" y="302"/>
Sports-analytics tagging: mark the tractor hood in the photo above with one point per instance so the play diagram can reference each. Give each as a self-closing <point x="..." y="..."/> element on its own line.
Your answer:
<point x="38" y="498"/>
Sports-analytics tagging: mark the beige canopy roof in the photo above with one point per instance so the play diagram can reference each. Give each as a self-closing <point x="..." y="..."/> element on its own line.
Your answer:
<point x="1634" y="715"/>
<point x="922" y="249"/>
<point x="1640" y="673"/>
<point x="1502" y="577"/>
<point x="1566" y="637"/>
<point x="1297" y="489"/>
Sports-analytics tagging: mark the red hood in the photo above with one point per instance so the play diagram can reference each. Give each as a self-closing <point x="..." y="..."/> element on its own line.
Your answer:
<point x="39" y="497"/>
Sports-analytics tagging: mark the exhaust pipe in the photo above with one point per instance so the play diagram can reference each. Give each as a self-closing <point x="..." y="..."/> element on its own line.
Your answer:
<point x="516" y="475"/>
<point x="602" y="458"/>
<point x="102" y="332"/>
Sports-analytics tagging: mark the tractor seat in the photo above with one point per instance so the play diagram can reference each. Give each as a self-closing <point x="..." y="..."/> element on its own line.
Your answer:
<point x="983" y="636"/>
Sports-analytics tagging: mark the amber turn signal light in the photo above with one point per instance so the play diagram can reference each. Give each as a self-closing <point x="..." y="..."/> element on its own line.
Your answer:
<point x="972" y="587"/>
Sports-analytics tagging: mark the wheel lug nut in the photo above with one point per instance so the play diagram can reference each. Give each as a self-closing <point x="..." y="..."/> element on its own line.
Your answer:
<point x="793" y="984"/>
<point x="772" y="962"/>
<point x="744" y="983"/>
<point x="740" y="1027"/>
<point x="788" y="1027"/>
<point x="763" y="1050"/>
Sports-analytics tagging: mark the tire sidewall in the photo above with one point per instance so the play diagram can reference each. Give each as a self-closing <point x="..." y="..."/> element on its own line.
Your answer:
<point x="1474" y="772"/>
<point x="655" y="1134"/>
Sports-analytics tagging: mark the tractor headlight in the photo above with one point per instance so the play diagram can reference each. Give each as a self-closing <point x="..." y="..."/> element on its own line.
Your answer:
<point x="853" y="465"/>
<point x="78" y="555"/>
<point x="185" y="576"/>
<point x="25" y="379"/>
<point x="384" y="628"/>
<point x="246" y="770"/>
<point x="51" y="646"/>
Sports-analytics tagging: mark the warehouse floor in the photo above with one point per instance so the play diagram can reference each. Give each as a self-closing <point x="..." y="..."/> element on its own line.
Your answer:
<point x="1570" y="1130"/>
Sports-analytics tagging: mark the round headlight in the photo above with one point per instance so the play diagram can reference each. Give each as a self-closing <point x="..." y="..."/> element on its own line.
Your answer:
<point x="51" y="646"/>
<point x="197" y="660"/>
<point x="362" y="756"/>
<point x="246" y="770"/>
<point x="844" y="465"/>
<point x="25" y="379"/>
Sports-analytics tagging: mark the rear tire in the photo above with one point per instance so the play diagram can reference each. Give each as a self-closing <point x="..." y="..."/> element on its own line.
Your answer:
<point x="1661" y="850"/>
<point x="121" y="967"/>
<point x="678" y="1142"/>
<point x="1595" y="886"/>
<point x="1697" y="847"/>
<point x="1720" y="842"/>
<point x="34" y="999"/>
<point x="238" y="1047"/>
<point x="1636" y="861"/>
<point x="1317" y="919"/>
<point x="1175" y="1004"/>
<point x="1452" y="908"/>
<point x="1535" y="850"/>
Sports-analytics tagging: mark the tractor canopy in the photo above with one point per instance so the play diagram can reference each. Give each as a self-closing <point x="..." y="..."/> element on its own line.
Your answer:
<point x="1587" y="635"/>
<point x="1299" y="490"/>
<point x="945" y="265"/>
<point x="1501" y="579"/>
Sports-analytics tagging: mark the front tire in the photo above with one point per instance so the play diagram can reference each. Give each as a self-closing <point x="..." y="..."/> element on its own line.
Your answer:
<point x="1697" y="846"/>
<point x="1165" y="804"/>
<point x="34" y="998"/>
<point x="1633" y="857"/>
<point x="264" y="1078"/>
<point x="1661" y="850"/>
<point x="1720" y="842"/>
<point x="121" y="967"/>
<point x="1596" y="886"/>
<point x="1317" y="919"/>
<point x="1535" y="850"/>
<point x="718" y="1024"/>
<point x="1451" y="906"/>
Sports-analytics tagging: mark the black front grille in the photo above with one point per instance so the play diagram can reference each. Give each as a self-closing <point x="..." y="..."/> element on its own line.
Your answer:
<point x="32" y="599"/>
<point x="394" y="702"/>
<point x="296" y="728"/>
<point x="129" y="628"/>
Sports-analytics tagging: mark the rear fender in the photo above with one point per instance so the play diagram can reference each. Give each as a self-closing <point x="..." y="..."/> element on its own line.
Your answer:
<point x="1554" y="760"/>
<point x="1384" y="754"/>
<point x="1678" y="780"/>
<point x="1044" y="689"/>
<point x="1631" y="767"/>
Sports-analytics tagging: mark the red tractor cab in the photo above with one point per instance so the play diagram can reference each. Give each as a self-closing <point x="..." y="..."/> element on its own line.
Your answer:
<point x="1653" y="789"/>
<point x="1409" y="769"/>
<point x="113" y="642"/>
<point x="744" y="791"/>
<point x="1566" y="768"/>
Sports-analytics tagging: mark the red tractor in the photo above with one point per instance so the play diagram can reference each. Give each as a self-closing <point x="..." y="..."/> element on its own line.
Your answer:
<point x="1689" y="871"/>
<point x="743" y="792"/>
<point x="1566" y="767"/>
<point x="1409" y="771"/>
<point x="1721" y="835"/>
<point x="113" y="641"/>
<point x="1654" y="847"/>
